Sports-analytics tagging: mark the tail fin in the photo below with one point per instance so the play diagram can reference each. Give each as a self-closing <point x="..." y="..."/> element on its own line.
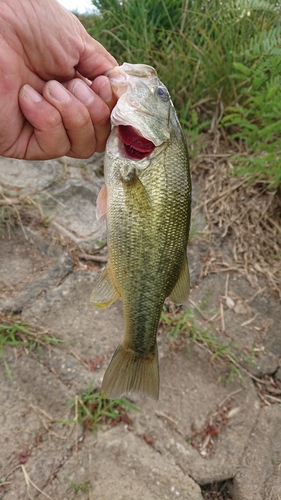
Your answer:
<point x="129" y="372"/>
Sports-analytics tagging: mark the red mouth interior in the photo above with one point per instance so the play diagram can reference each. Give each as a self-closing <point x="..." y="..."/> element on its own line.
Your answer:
<point x="136" y="146"/>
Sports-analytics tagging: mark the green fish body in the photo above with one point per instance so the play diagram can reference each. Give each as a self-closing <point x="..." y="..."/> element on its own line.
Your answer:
<point x="147" y="204"/>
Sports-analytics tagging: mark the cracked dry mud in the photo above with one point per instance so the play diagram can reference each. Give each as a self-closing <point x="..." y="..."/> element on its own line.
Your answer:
<point x="206" y="427"/>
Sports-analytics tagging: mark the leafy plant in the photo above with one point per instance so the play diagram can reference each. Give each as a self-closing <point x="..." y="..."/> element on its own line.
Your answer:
<point x="257" y="120"/>
<point x="78" y="487"/>
<point x="93" y="410"/>
<point x="18" y="334"/>
<point x="8" y="217"/>
<point x="186" y="323"/>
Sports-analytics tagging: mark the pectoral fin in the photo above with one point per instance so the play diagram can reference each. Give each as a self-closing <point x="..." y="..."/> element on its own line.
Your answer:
<point x="104" y="292"/>
<point x="180" y="292"/>
<point x="101" y="209"/>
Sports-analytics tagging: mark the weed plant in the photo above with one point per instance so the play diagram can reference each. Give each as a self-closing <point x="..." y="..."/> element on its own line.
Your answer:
<point x="185" y="322"/>
<point x="19" y="335"/>
<point x="211" y="55"/>
<point x="93" y="410"/>
<point x="78" y="487"/>
<point x="257" y="119"/>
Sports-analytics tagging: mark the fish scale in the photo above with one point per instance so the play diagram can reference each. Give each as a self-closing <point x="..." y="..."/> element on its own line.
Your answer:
<point x="148" y="217"/>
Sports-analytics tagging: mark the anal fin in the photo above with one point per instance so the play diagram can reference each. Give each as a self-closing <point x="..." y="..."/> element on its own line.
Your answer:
<point x="180" y="292"/>
<point x="104" y="292"/>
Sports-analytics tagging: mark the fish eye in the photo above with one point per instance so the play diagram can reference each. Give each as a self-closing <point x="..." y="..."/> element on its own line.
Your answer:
<point x="162" y="92"/>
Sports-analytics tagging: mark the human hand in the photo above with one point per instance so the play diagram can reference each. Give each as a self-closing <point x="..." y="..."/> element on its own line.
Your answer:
<point x="47" y="108"/>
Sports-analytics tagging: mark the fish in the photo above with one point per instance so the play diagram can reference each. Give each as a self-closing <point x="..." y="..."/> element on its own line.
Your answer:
<point x="146" y="201"/>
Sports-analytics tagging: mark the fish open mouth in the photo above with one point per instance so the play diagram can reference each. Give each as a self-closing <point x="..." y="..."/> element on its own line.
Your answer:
<point x="135" y="145"/>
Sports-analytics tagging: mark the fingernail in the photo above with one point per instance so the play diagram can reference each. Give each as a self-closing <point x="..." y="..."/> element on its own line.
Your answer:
<point x="105" y="91"/>
<point x="82" y="92"/>
<point x="58" y="91"/>
<point x="31" y="94"/>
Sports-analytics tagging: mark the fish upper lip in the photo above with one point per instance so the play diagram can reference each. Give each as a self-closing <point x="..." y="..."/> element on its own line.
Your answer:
<point x="130" y="70"/>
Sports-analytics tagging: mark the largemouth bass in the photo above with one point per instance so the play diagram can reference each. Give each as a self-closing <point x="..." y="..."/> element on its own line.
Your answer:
<point x="146" y="200"/>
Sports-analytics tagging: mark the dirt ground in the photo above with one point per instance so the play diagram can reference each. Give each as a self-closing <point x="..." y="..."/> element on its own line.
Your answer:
<point x="215" y="432"/>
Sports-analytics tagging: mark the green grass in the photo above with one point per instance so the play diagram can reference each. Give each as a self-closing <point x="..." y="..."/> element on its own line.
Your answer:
<point x="9" y="218"/>
<point x="220" y="60"/>
<point x="185" y="323"/>
<point x="16" y="334"/>
<point x="93" y="410"/>
<point x="78" y="487"/>
<point x="256" y="119"/>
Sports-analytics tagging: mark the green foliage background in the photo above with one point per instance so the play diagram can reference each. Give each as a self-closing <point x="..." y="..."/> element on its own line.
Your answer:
<point x="208" y="52"/>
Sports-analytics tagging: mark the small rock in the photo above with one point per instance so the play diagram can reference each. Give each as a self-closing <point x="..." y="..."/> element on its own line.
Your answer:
<point x="230" y="302"/>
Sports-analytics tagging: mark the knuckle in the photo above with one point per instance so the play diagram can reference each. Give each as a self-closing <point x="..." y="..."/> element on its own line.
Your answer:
<point x="80" y="119"/>
<point x="102" y="119"/>
<point x="85" y="150"/>
<point x="101" y="147"/>
<point x="52" y="119"/>
<point x="87" y="154"/>
<point x="61" y="150"/>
